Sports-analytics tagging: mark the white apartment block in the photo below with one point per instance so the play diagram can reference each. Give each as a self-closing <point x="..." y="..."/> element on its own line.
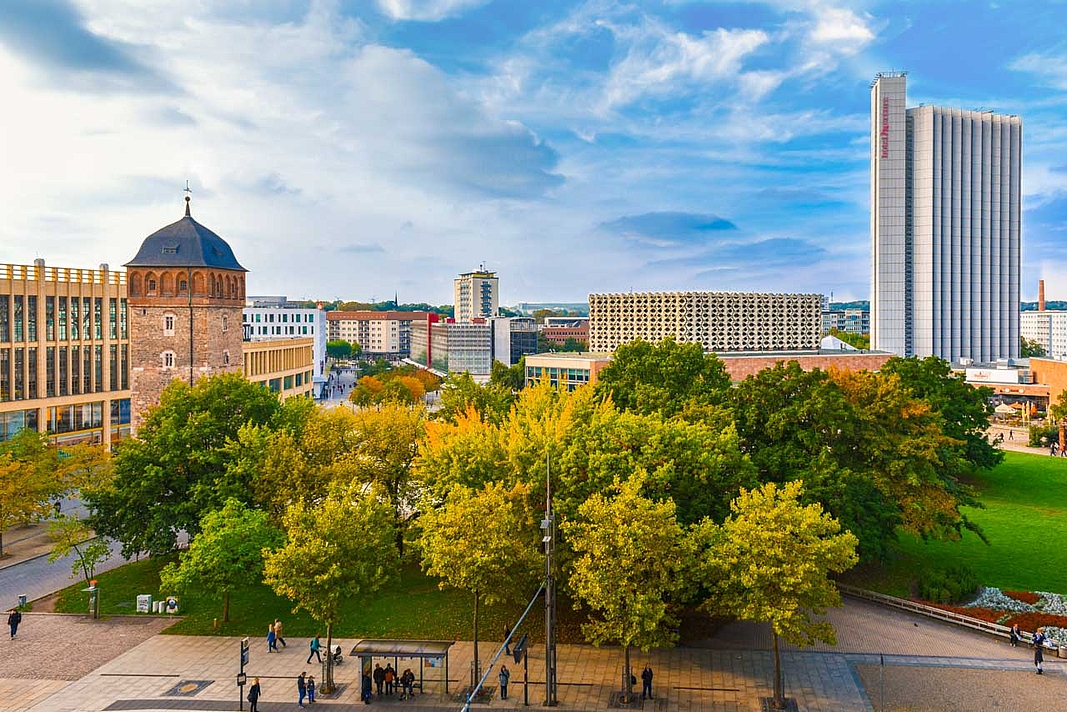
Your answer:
<point x="1047" y="328"/>
<point x="271" y="318"/>
<point x="477" y="296"/>
<point x="719" y="321"/>
<point x="946" y="204"/>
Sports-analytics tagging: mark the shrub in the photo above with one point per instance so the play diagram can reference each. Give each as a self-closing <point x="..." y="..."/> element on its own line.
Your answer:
<point x="952" y="585"/>
<point x="1043" y="436"/>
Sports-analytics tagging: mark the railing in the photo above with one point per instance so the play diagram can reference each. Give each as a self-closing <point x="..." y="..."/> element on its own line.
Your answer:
<point x="34" y="273"/>
<point x="922" y="609"/>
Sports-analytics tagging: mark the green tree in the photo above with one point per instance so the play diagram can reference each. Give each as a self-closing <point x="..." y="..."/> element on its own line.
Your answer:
<point x="73" y="535"/>
<point x="964" y="409"/>
<point x="665" y="378"/>
<point x="460" y="392"/>
<point x="483" y="541"/>
<point x="337" y="550"/>
<point x="33" y="473"/>
<point x="1030" y="347"/>
<point x="226" y="555"/>
<point x="177" y="468"/>
<point x="338" y="348"/>
<point x="632" y="563"/>
<point x="573" y="344"/>
<point x="770" y="562"/>
<point x="510" y="377"/>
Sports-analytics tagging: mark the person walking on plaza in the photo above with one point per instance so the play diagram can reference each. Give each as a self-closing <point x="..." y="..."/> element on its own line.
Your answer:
<point x="272" y="639"/>
<point x="301" y="688"/>
<point x="253" y="695"/>
<point x="316" y="646"/>
<point x="1038" y="644"/>
<point x="1015" y="634"/>
<point x="646" y="682"/>
<point x="505" y="677"/>
<point x="13" y="620"/>
<point x="507" y="642"/>
<point x="278" y="631"/>
<point x="311" y="689"/>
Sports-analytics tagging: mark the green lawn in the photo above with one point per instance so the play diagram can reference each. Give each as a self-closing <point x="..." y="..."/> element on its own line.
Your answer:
<point x="1025" y="520"/>
<point x="411" y="606"/>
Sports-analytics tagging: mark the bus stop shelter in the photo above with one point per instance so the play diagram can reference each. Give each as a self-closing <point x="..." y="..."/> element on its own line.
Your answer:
<point x="429" y="653"/>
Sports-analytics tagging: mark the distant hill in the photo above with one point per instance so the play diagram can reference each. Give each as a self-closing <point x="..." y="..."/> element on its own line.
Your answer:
<point x="1050" y="306"/>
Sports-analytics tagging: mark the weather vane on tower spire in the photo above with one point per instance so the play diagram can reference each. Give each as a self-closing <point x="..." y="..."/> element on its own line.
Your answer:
<point x="188" y="192"/>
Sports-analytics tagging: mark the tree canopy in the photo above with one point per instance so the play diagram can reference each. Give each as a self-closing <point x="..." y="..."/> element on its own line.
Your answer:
<point x="770" y="561"/>
<point x="226" y="555"/>
<point x="664" y="378"/>
<point x="176" y="469"/>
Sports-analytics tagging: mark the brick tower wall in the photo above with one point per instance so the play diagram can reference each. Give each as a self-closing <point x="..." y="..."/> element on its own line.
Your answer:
<point x="216" y="343"/>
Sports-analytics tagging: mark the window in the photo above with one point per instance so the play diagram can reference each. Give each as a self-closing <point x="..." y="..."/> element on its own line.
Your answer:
<point x="168" y="359"/>
<point x="112" y="317"/>
<point x="225" y="358"/>
<point x="225" y="322"/>
<point x="183" y="285"/>
<point x="31" y="318"/>
<point x="151" y="286"/>
<point x="170" y="250"/>
<point x="168" y="325"/>
<point x="98" y="317"/>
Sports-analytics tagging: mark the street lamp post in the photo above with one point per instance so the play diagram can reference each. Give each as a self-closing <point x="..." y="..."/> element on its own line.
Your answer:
<point x="549" y="529"/>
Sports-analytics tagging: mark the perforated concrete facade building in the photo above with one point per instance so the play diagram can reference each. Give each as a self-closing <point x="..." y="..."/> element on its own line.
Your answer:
<point x="718" y="321"/>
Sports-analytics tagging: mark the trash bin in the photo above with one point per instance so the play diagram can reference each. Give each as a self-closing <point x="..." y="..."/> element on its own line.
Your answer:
<point x="22" y="600"/>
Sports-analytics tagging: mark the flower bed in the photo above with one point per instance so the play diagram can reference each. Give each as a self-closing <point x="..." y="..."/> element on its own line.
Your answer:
<point x="1024" y="596"/>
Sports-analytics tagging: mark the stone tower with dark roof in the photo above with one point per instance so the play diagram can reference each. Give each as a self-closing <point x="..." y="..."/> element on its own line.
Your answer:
<point x="186" y="294"/>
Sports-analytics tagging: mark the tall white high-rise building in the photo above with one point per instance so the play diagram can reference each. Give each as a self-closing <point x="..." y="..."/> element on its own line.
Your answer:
<point x="946" y="208"/>
<point x="477" y="296"/>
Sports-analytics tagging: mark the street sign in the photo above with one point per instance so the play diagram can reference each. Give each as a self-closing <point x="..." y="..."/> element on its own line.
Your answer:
<point x="242" y="678"/>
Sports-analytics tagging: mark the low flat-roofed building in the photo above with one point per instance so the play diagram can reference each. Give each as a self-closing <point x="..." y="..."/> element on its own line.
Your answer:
<point x="285" y="366"/>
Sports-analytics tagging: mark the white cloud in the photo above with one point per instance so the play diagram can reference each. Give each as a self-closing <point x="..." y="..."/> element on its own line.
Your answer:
<point x="1050" y="68"/>
<point x="842" y="28"/>
<point x="426" y="10"/>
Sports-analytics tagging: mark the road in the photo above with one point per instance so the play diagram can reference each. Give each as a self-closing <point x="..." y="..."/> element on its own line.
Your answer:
<point x="36" y="577"/>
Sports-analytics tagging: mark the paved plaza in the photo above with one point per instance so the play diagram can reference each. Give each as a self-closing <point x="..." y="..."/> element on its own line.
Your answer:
<point x="903" y="660"/>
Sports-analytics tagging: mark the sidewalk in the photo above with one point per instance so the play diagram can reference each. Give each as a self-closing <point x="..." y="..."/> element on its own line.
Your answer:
<point x="27" y="542"/>
<point x="923" y="660"/>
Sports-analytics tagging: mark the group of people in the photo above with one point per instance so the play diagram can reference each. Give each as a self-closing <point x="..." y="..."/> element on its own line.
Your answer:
<point x="386" y="682"/>
<point x="274" y="636"/>
<point x="1037" y="643"/>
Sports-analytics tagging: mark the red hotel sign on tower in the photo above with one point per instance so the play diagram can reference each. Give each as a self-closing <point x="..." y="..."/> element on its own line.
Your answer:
<point x="885" y="127"/>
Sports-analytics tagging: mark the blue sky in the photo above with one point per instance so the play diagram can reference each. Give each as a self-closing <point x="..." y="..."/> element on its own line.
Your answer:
<point x="359" y="148"/>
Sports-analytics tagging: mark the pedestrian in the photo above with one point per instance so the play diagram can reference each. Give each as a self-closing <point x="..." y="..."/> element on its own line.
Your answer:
<point x="272" y="639"/>
<point x="379" y="678"/>
<point x="301" y="688"/>
<point x="14" y="617"/>
<point x="1011" y="434"/>
<point x="278" y="631"/>
<point x="646" y="682"/>
<point x="390" y="679"/>
<point x="1038" y="644"/>
<point x="1015" y="634"/>
<point x="504" y="677"/>
<point x="365" y="689"/>
<point x="407" y="680"/>
<point x="507" y="639"/>
<point x="311" y="688"/>
<point x="316" y="646"/>
<point x="253" y="695"/>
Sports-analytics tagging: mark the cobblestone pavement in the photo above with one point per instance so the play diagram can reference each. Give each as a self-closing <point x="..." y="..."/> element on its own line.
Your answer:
<point x="925" y="663"/>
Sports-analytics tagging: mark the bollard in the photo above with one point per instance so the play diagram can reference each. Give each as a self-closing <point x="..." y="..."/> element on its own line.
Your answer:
<point x="215" y="625"/>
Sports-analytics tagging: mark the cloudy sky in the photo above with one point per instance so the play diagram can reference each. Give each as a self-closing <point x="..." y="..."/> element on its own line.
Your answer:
<point x="353" y="149"/>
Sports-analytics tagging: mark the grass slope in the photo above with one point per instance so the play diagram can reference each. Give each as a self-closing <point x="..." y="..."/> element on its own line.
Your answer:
<point x="1025" y="520"/>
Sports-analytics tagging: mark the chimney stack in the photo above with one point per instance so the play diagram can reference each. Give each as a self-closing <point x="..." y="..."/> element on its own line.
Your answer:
<point x="1041" y="295"/>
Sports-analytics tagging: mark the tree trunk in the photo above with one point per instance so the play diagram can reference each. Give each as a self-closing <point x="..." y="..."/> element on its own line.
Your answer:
<point x="627" y="677"/>
<point x="779" y="693"/>
<point x="226" y="607"/>
<point x="327" y="685"/>
<point x="477" y="661"/>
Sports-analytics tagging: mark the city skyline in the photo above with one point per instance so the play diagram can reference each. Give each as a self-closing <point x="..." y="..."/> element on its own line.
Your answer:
<point x="357" y="149"/>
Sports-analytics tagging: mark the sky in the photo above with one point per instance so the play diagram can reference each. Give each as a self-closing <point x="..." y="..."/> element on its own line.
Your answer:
<point x="361" y="149"/>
